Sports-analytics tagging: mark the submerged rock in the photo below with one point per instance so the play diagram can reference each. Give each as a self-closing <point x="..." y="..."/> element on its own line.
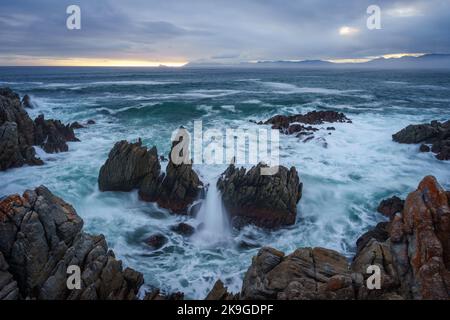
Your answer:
<point x="435" y="133"/>
<point x="76" y="125"/>
<point x="16" y="133"/>
<point x="184" y="229"/>
<point x="268" y="201"/>
<point x="156" y="241"/>
<point x="53" y="135"/>
<point x="127" y="166"/>
<point x="40" y="237"/>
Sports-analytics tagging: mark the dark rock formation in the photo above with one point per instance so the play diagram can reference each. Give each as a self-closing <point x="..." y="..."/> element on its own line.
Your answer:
<point x="220" y="292"/>
<point x="127" y="166"/>
<point x="16" y="133"/>
<point x="412" y="252"/>
<point x="90" y="122"/>
<point x="180" y="187"/>
<point x="389" y="207"/>
<point x="424" y="148"/>
<point x="313" y="118"/>
<point x="435" y="133"/>
<point x="40" y="237"/>
<point x="157" y="295"/>
<point x="131" y="166"/>
<point x="305" y="274"/>
<point x="76" y="125"/>
<point x="26" y="102"/>
<point x="184" y="229"/>
<point x="156" y="241"/>
<point x="268" y="201"/>
<point x="53" y="135"/>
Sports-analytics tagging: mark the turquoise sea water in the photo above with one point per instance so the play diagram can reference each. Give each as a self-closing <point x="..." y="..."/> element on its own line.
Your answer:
<point x="343" y="182"/>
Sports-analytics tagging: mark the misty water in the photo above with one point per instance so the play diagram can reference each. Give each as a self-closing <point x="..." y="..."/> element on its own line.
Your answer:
<point x="345" y="174"/>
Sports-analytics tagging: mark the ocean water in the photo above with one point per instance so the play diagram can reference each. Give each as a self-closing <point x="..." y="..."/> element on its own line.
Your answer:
<point x="345" y="174"/>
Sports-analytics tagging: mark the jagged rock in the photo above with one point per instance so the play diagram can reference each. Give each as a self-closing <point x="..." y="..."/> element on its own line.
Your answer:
<point x="156" y="295"/>
<point x="220" y="292"/>
<point x="127" y="166"/>
<point x="421" y="242"/>
<point x="16" y="133"/>
<point x="268" y="201"/>
<point x="52" y="135"/>
<point x="41" y="235"/>
<point x="308" y="273"/>
<point x="156" y="241"/>
<point x="184" y="229"/>
<point x="76" y="125"/>
<point x="130" y="166"/>
<point x="435" y="133"/>
<point x="313" y="117"/>
<point x="389" y="207"/>
<point x="26" y="102"/>
<point x="380" y="233"/>
<point x="180" y="187"/>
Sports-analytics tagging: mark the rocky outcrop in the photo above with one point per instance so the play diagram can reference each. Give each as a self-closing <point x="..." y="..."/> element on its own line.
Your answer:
<point x="412" y="251"/>
<point x="220" y="292"/>
<point x="294" y="124"/>
<point x="40" y="237"/>
<point x="127" y="166"/>
<point x="183" y="229"/>
<point x="26" y="102"/>
<point x="435" y="133"/>
<point x="157" y="295"/>
<point x="179" y="188"/>
<point x="16" y="133"/>
<point x="308" y="273"/>
<point x="53" y="135"/>
<point x="131" y="166"/>
<point x="268" y="201"/>
<point x="389" y="207"/>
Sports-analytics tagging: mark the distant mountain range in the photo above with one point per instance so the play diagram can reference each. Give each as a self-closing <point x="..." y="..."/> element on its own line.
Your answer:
<point x="427" y="61"/>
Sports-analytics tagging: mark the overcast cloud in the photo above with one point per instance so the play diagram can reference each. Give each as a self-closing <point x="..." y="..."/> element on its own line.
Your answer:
<point x="222" y="31"/>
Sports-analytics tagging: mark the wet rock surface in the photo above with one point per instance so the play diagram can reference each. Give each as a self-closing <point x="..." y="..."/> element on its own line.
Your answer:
<point x="220" y="292"/>
<point x="389" y="207"/>
<point x="412" y="251"/>
<point x="435" y="133"/>
<point x="16" y="133"/>
<point x="53" y="135"/>
<point x="127" y="166"/>
<point x="40" y="236"/>
<point x="268" y="201"/>
<point x="156" y="241"/>
<point x="131" y="166"/>
<point x="184" y="229"/>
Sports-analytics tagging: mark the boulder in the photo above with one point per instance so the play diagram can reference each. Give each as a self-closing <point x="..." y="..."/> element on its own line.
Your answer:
<point x="127" y="166"/>
<point x="76" y="125"/>
<point x="16" y="133"/>
<point x="184" y="229"/>
<point x="156" y="241"/>
<point x="53" y="135"/>
<point x="268" y="201"/>
<point x="435" y="133"/>
<point x="90" y="122"/>
<point x="389" y="207"/>
<point x="40" y="237"/>
<point x="306" y="274"/>
<point x="8" y="286"/>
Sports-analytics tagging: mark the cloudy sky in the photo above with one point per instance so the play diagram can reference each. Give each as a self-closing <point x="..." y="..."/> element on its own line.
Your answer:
<point x="146" y="32"/>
